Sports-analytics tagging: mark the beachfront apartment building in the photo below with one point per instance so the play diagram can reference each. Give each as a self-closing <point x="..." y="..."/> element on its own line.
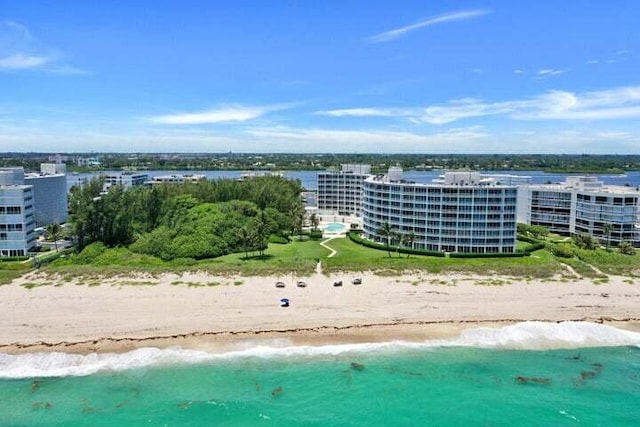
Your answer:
<point x="50" y="194"/>
<point x="583" y="204"/>
<point x="461" y="212"/>
<point x="17" y="217"/>
<point x="340" y="192"/>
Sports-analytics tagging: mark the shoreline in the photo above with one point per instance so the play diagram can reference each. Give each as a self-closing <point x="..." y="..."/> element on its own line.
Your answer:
<point x="220" y="313"/>
<point x="221" y="342"/>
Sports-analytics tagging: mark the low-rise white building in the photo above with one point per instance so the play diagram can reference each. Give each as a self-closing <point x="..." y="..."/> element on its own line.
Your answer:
<point x="125" y="179"/>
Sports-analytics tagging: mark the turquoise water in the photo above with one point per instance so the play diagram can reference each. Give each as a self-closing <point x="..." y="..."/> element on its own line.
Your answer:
<point x="334" y="227"/>
<point x="385" y="385"/>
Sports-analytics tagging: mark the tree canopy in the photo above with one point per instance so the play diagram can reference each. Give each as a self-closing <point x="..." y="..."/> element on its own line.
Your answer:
<point x="191" y="220"/>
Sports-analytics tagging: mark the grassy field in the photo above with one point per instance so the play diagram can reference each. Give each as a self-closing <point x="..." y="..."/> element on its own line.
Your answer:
<point x="10" y="270"/>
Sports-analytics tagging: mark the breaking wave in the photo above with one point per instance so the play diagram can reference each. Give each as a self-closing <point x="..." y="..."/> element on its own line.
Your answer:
<point x="526" y="335"/>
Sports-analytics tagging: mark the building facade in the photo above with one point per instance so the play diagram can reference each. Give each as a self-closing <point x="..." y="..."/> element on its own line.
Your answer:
<point x="125" y="179"/>
<point x="340" y="192"/>
<point x="583" y="204"/>
<point x="50" y="194"/>
<point x="17" y="218"/>
<point x="462" y="213"/>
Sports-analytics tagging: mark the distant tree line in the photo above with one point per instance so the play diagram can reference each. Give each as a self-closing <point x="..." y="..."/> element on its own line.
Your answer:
<point x="191" y="220"/>
<point x="561" y="163"/>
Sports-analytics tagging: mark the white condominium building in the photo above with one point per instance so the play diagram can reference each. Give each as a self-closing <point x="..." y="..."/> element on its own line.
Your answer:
<point x="340" y="192"/>
<point x="50" y="194"/>
<point x="583" y="204"/>
<point x="125" y="179"/>
<point x="17" y="220"/>
<point x="462" y="212"/>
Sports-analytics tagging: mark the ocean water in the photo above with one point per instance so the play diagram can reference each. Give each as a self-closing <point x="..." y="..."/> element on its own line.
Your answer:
<point x="514" y="375"/>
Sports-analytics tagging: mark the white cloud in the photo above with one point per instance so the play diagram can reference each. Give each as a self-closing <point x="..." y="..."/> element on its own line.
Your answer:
<point x="617" y="103"/>
<point x="548" y="72"/>
<point x="518" y="71"/>
<point x="229" y="114"/>
<point x="363" y="112"/>
<point x="367" y="140"/>
<point x="22" y="61"/>
<point x="592" y="62"/>
<point x="19" y="51"/>
<point x="461" y="15"/>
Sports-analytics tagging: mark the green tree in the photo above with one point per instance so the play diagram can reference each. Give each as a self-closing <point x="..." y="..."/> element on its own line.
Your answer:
<point x="246" y="237"/>
<point x="607" y="228"/>
<point x="386" y="231"/>
<point x="54" y="232"/>
<point x="408" y="239"/>
<point x="315" y="221"/>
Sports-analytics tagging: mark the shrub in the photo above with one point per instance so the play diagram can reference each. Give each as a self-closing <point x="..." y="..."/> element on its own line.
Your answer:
<point x="274" y="238"/>
<point x="563" y="250"/>
<point x="626" y="248"/>
<point x="355" y="237"/>
<point x="489" y="255"/>
<point x="585" y="241"/>
<point x="315" y="234"/>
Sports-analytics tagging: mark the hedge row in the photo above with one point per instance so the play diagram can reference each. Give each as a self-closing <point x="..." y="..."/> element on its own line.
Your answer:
<point x="355" y="237"/>
<point x="14" y="258"/>
<point x="527" y="239"/>
<point x="489" y="255"/>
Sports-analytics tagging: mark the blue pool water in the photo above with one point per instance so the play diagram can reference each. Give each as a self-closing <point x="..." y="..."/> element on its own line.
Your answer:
<point x="334" y="227"/>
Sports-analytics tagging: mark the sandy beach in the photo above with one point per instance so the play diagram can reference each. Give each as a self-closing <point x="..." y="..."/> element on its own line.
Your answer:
<point x="200" y="311"/>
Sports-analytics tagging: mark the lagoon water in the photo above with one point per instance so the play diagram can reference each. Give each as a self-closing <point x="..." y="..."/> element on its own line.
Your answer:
<point x="493" y="377"/>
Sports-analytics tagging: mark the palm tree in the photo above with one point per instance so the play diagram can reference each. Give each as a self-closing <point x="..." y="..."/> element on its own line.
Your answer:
<point x="607" y="228"/>
<point x="245" y="235"/>
<point x="297" y="219"/>
<point x="408" y="239"/>
<point x="385" y="230"/>
<point x="315" y="221"/>
<point x="54" y="231"/>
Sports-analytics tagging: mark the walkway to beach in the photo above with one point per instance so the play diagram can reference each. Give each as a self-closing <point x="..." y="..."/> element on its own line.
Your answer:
<point x="333" y="251"/>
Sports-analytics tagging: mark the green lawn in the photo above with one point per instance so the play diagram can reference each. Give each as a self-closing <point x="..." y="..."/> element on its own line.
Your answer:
<point x="352" y="256"/>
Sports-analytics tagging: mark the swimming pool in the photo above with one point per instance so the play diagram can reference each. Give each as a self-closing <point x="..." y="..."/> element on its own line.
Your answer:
<point x="334" y="227"/>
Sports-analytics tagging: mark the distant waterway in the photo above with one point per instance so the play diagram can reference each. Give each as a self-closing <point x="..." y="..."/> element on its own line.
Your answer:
<point x="309" y="178"/>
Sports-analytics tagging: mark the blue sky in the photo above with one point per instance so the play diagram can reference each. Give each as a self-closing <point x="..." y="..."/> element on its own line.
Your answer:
<point x="320" y="76"/>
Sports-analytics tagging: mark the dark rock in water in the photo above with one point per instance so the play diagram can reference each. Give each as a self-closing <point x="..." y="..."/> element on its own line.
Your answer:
<point x="277" y="391"/>
<point x="357" y="366"/>
<point x="533" y="380"/>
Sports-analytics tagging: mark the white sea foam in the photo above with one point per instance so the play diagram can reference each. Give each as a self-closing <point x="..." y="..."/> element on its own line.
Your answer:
<point x="527" y="335"/>
<point x="545" y="335"/>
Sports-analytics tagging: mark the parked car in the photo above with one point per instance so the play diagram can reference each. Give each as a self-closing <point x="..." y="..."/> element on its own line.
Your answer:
<point x="337" y="283"/>
<point x="280" y="285"/>
<point x="357" y="281"/>
<point x="302" y="284"/>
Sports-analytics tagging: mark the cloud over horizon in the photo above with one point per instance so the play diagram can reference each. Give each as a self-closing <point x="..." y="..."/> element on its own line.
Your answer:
<point x="234" y="113"/>
<point x="610" y="104"/>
